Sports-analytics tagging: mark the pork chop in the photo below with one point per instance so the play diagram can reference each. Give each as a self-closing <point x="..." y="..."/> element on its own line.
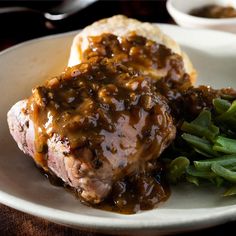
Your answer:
<point x="93" y="125"/>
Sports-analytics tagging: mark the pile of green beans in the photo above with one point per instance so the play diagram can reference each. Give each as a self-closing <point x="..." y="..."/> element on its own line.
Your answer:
<point x="212" y="141"/>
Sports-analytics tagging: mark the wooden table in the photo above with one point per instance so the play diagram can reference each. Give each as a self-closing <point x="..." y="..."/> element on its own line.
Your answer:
<point x="15" y="28"/>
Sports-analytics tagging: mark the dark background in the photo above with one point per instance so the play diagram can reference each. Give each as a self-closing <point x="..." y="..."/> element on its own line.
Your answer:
<point x="16" y="27"/>
<point x="20" y="26"/>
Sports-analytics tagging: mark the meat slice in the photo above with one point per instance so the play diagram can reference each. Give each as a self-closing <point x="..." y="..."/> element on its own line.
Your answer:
<point x="95" y="124"/>
<point x="92" y="185"/>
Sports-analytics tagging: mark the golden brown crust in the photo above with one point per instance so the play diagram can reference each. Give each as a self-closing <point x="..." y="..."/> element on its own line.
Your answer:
<point x="122" y="26"/>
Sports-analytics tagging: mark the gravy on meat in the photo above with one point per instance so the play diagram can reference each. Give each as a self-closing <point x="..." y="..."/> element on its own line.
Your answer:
<point x="131" y="79"/>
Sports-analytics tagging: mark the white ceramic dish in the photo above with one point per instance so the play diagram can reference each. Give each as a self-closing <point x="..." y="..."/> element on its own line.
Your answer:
<point x="24" y="188"/>
<point x="179" y="10"/>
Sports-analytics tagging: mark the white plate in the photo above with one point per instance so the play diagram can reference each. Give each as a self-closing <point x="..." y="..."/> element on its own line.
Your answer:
<point x="24" y="188"/>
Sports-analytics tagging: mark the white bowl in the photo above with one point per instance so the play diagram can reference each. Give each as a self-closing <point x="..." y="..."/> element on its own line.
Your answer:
<point x="179" y="10"/>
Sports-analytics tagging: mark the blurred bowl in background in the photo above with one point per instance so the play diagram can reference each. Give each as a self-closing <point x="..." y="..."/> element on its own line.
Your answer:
<point x="180" y="12"/>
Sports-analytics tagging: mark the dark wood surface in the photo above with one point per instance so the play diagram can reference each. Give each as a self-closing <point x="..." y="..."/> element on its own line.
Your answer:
<point x="21" y="26"/>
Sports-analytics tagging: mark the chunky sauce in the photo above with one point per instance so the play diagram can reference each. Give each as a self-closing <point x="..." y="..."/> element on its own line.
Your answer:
<point x="214" y="11"/>
<point x="138" y="192"/>
<point x="158" y="64"/>
<point x="113" y="105"/>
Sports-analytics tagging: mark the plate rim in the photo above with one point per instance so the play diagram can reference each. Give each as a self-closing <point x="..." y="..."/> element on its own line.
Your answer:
<point x="116" y="223"/>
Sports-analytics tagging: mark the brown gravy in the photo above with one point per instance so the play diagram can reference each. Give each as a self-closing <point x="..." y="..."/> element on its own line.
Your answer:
<point x="121" y="78"/>
<point x="214" y="11"/>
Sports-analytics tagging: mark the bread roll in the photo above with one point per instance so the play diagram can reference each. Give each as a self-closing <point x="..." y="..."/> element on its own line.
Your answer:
<point x="120" y="25"/>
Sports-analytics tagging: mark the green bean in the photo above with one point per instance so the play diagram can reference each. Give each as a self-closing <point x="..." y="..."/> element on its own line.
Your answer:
<point x="200" y="144"/>
<point x="227" y="97"/>
<point x="200" y="131"/>
<point x="203" y="119"/>
<point x="224" y="160"/>
<point x="214" y="131"/>
<point x="210" y="141"/>
<point x="231" y="167"/>
<point x="225" y="145"/>
<point x="224" y="173"/>
<point x="202" y="152"/>
<point x="202" y="126"/>
<point x="192" y="179"/>
<point x="221" y="105"/>
<point x="229" y="117"/>
<point x="231" y="191"/>
<point x="206" y="174"/>
<point x="218" y="181"/>
<point x="177" y="168"/>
